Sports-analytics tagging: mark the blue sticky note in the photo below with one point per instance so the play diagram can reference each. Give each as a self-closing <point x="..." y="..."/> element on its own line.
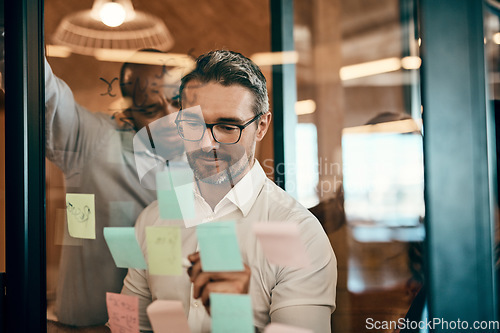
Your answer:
<point x="231" y="313"/>
<point x="175" y="194"/>
<point x="124" y="247"/>
<point x="219" y="248"/>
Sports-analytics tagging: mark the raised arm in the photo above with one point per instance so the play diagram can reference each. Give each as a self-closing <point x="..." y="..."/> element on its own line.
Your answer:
<point x="73" y="134"/>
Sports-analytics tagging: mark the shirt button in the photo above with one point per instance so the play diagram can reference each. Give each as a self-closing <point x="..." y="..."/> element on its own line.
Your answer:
<point x="195" y="304"/>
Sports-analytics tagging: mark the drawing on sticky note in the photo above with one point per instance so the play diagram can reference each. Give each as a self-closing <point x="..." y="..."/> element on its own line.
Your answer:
<point x="80" y="214"/>
<point x="164" y="250"/>
<point x="123" y="312"/>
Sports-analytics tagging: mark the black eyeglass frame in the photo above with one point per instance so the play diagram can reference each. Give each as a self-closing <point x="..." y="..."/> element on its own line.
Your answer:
<point x="210" y="126"/>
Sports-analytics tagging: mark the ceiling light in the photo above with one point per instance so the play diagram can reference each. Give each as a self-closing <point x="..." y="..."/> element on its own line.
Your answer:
<point x="112" y="14"/>
<point x="307" y="106"/>
<point x="398" y="126"/>
<point x="370" y="68"/>
<point x="411" y="62"/>
<point x="275" y="58"/>
<point x="496" y="38"/>
<point x="112" y="25"/>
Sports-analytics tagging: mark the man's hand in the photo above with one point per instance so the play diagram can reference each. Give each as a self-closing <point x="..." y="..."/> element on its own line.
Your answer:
<point x="205" y="283"/>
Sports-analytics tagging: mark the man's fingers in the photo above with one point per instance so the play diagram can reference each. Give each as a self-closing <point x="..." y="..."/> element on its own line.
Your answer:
<point x="199" y="283"/>
<point x="218" y="276"/>
<point x="194" y="257"/>
<point x="194" y="271"/>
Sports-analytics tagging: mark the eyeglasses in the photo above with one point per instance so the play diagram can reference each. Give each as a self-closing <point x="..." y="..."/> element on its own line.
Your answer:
<point x="193" y="130"/>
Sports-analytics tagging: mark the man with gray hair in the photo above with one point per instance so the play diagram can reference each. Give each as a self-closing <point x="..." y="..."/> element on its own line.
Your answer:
<point x="225" y="112"/>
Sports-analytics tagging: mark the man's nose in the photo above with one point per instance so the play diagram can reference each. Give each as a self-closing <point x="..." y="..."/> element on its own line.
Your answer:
<point x="208" y="142"/>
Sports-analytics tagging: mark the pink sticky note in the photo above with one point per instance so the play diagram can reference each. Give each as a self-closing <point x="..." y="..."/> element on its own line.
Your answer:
<point x="281" y="328"/>
<point x="123" y="312"/>
<point x="167" y="316"/>
<point x="282" y="244"/>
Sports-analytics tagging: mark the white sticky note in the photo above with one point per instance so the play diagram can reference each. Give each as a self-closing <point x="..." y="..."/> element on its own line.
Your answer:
<point x="80" y="213"/>
<point x="282" y="244"/>
<point x="167" y="316"/>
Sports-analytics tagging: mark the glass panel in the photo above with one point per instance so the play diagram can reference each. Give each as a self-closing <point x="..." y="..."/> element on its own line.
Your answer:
<point x="358" y="143"/>
<point x="492" y="40"/>
<point x="91" y="145"/>
<point x="358" y="63"/>
<point x="2" y="149"/>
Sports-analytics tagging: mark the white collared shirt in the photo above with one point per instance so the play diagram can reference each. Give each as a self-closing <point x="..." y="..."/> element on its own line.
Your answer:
<point x="253" y="199"/>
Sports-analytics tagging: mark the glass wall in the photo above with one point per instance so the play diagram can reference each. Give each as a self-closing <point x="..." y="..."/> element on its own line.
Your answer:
<point x="359" y="64"/>
<point x="359" y="159"/>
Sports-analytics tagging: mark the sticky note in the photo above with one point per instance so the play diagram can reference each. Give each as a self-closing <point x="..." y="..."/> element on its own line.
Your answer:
<point x="219" y="248"/>
<point x="167" y="316"/>
<point x="175" y="194"/>
<point x="80" y="213"/>
<point x="282" y="328"/>
<point x="231" y="313"/>
<point x="123" y="312"/>
<point x="122" y="213"/>
<point x="282" y="244"/>
<point x="61" y="234"/>
<point x="124" y="248"/>
<point x="164" y="250"/>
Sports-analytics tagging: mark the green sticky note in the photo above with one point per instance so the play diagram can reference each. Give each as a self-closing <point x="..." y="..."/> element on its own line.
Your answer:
<point x="164" y="250"/>
<point x="219" y="248"/>
<point x="175" y="194"/>
<point x="80" y="213"/>
<point x="231" y="313"/>
<point x="124" y="248"/>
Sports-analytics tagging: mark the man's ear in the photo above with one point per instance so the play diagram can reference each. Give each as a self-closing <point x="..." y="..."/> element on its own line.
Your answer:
<point x="263" y="125"/>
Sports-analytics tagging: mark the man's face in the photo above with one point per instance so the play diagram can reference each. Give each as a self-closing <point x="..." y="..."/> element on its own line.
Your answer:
<point x="151" y="94"/>
<point x="213" y="162"/>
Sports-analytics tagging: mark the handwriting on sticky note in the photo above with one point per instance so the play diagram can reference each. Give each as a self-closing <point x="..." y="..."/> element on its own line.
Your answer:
<point x="231" y="313"/>
<point x="282" y="244"/>
<point x="167" y="316"/>
<point x="219" y="249"/>
<point x="124" y="248"/>
<point x="123" y="312"/>
<point x="80" y="213"/>
<point x="282" y="328"/>
<point x="164" y="250"/>
<point x="175" y="193"/>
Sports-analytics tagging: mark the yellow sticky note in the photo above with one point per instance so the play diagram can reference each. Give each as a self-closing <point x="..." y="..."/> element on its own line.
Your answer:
<point x="80" y="213"/>
<point x="164" y="250"/>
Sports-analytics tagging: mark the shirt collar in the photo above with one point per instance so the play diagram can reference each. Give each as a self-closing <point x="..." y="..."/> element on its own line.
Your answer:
<point x="245" y="192"/>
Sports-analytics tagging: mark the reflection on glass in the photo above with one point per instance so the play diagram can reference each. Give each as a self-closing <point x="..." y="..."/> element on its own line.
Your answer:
<point x="383" y="185"/>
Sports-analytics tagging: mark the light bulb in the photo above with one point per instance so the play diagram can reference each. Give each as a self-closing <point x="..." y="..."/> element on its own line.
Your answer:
<point x="112" y="14"/>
